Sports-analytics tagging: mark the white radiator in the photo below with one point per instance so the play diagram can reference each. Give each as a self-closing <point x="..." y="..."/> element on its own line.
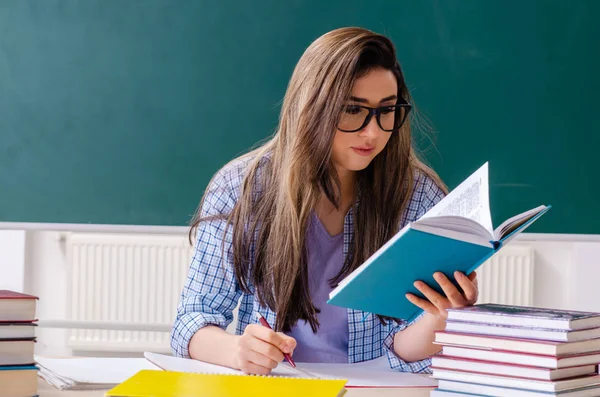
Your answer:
<point x="508" y="277"/>
<point x="137" y="278"/>
<point x="125" y="278"/>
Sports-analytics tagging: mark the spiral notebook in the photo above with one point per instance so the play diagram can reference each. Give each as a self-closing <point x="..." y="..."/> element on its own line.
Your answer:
<point x="176" y="364"/>
<point x="368" y="374"/>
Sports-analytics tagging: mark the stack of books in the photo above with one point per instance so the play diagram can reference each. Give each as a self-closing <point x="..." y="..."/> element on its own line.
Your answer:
<point x="18" y="374"/>
<point x="515" y="351"/>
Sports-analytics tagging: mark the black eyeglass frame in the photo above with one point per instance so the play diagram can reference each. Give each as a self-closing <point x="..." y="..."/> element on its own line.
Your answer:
<point x="377" y="113"/>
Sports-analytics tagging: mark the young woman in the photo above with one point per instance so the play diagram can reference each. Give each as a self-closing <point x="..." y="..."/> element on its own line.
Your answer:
<point x="281" y="226"/>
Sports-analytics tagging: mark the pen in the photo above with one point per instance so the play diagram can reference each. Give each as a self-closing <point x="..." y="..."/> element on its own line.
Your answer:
<point x="264" y="322"/>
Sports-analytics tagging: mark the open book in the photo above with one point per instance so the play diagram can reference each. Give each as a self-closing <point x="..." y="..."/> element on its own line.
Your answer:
<point x="456" y="234"/>
<point x="464" y="214"/>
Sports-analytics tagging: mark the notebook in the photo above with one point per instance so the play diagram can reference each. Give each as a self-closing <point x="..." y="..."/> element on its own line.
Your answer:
<point x="373" y="373"/>
<point x="456" y="234"/>
<point x="148" y="383"/>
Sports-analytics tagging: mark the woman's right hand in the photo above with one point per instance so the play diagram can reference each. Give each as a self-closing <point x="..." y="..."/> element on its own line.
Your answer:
<point x="260" y="349"/>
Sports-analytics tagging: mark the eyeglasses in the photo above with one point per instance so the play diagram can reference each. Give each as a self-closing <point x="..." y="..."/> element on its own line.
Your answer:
<point x="389" y="118"/>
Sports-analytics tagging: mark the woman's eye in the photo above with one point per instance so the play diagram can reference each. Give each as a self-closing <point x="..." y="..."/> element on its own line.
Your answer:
<point x="352" y="109"/>
<point x="387" y="110"/>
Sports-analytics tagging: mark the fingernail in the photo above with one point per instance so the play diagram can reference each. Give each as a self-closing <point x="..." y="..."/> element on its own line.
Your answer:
<point x="437" y="276"/>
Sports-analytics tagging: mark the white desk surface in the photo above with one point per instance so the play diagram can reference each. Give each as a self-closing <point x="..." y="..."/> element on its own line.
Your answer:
<point x="46" y="390"/>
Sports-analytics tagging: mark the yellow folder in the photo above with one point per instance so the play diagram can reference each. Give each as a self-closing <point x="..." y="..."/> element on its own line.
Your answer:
<point x="149" y="383"/>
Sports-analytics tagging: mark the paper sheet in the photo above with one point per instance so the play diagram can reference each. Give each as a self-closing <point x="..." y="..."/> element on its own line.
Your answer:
<point x="66" y="373"/>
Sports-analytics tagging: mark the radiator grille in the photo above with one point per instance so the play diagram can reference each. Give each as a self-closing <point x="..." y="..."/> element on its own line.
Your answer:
<point x="125" y="278"/>
<point x="137" y="279"/>
<point x="508" y="277"/>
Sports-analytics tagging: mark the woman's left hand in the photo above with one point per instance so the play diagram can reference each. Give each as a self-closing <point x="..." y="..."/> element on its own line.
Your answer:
<point x="436" y="304"/>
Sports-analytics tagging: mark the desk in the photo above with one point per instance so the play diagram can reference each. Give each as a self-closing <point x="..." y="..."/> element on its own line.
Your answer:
<point x="46" y="390"/>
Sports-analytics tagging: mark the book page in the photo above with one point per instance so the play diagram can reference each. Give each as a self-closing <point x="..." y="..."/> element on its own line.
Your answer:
<point x="516" y="221"/>
<point x="470" y="200"/>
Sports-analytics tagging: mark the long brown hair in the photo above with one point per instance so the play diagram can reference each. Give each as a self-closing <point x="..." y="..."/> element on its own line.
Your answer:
<point x="270" y="226"/>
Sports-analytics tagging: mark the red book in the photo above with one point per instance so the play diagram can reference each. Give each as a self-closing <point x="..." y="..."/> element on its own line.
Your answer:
<point x="16" y="307"/>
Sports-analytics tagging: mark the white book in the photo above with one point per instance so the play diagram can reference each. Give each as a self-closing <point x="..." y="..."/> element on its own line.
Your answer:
<point x="523" y="332"/>
<point x="17" y="330"/>
<point x="16" y="352"/>
<point x="448" y="388"/>
<point x="517" y="383"/>
<point x="524" y="316"/>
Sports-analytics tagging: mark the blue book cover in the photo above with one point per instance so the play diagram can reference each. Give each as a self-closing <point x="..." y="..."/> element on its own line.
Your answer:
<point x="17" y="367"/>
<point x="446" y="239"/>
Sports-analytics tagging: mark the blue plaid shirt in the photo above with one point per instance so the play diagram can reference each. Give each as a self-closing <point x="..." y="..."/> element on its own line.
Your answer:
<point x="211" y="292"/>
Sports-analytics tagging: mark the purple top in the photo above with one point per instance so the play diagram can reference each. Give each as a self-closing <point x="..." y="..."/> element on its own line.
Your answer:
<point x="325" y="259"/>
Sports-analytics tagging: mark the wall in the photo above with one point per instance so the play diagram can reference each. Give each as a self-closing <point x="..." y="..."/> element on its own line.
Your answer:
<point x="12" y="259"/>
<point x="567" y="275"/>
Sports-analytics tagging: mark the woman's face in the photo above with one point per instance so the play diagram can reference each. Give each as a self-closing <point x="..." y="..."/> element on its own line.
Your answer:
<point x="354" y="151"/>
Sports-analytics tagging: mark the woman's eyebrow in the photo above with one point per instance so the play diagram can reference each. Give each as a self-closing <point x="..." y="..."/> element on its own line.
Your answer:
<point x="357" y="99"/>
<point x="388" y="98"/>
<point x="364" y="100"/>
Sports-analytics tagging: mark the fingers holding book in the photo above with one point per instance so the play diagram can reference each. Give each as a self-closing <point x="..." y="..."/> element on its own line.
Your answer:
<point x="437" y="303"/>
<point x="469" y="286"/>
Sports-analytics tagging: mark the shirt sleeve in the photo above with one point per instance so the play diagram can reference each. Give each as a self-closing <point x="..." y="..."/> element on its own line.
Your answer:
<point x="429" y="195"/>
<point x="210" y="292"/>
<point x="398" y="364"/>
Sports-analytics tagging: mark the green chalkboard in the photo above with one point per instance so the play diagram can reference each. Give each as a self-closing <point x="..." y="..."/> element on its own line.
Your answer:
<point x="120" y="111"/>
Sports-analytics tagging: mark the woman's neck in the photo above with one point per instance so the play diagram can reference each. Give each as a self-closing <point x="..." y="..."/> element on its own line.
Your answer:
<point x="347" y="185"/>
<point x="333" y="218"/>
<point x="347" y="194"/>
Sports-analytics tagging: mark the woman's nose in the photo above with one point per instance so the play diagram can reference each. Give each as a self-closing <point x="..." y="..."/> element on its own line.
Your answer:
<point x="372" y="129"/>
